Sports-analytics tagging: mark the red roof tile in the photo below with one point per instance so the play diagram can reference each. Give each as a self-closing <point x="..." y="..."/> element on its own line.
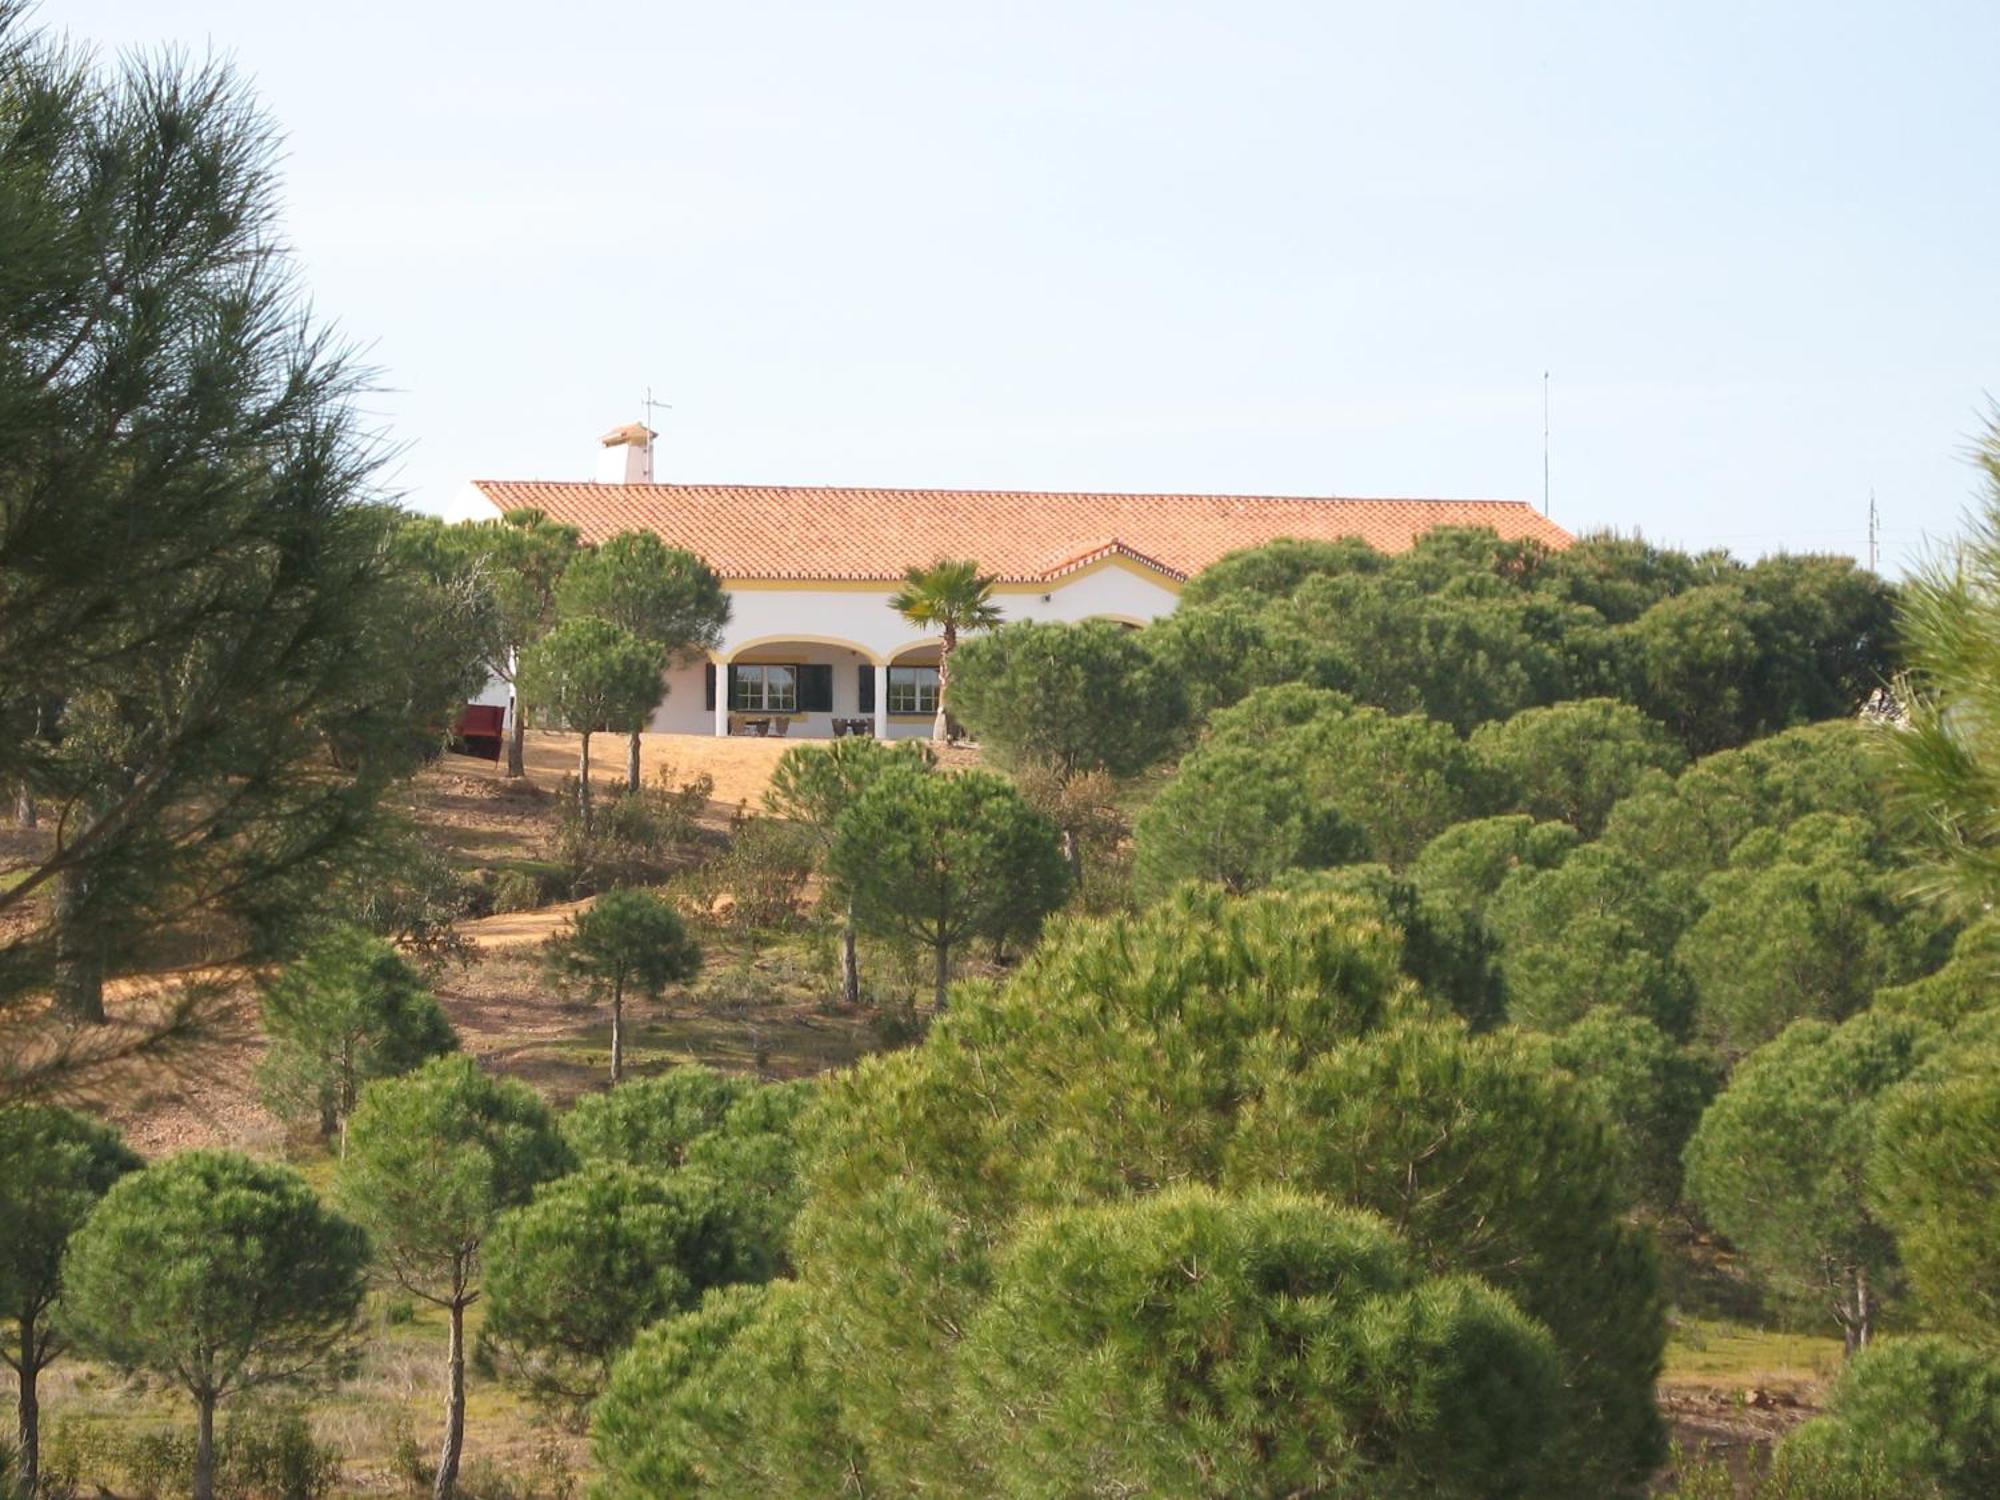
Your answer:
<point x="761" y="531"/>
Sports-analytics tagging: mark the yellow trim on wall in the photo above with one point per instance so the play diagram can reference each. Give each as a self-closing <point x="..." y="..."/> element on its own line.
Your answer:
<point x="771" y="643"/>
<point x="883" y="586"/>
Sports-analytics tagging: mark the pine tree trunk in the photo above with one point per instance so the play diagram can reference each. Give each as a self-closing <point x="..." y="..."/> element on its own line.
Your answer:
<point x="850" y="962"/>
<point x="28" y="1406"/>
<point x="1858" y="1327"/>
<point x="583" y="781"/>
<point x="454" y="1408"/>
<point x="617" y="1033"/>
<point x="204" y="1447"/>
<point x="943" y="973"/>
<point x="516" y="738"/>
<point x="632" y="763"/>
<point x="79" y="976"/>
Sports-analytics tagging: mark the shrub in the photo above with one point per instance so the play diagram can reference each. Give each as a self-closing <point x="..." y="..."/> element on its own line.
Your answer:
<point x="760" y="880"/>
<point x="269" y="1451"/>
<point x="635" y="838"/>
<point x="1925" y="1410"/>
<point x="518" y="890"/>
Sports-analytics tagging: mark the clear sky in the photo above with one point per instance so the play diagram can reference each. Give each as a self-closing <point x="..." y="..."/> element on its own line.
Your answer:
<point x="1311" y="248"/>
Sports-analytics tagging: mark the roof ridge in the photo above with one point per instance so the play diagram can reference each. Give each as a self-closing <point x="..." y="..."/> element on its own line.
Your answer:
<point x="904" y="489"/>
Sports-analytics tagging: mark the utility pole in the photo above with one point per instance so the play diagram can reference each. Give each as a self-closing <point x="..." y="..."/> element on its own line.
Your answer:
<point x="1874" y="533"/>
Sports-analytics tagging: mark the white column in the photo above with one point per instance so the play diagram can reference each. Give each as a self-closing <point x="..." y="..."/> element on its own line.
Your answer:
<point x="881" y="702"/>
<point x="721" y="699"/>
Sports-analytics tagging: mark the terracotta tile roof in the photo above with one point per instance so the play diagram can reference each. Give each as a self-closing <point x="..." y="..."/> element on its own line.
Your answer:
<point x="764" y="531"/>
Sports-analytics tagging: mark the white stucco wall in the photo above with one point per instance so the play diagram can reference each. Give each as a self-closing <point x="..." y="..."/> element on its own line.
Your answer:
<point x="848" y="627"/>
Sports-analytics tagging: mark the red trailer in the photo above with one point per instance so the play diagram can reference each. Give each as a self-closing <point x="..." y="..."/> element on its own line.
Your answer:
<point x="480" y="730"/>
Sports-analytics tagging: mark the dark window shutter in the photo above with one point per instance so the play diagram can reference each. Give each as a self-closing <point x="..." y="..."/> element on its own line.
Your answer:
<point x="866" y="698"/>
<point x="708" y="687"/>
<point x="816" y="688"/>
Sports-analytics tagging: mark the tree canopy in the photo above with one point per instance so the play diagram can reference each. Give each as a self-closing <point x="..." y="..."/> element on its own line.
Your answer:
<point x="625" y="941"/>
<point x="1246" y="1046"/>
<point x="1077" y="697"/>
<point x="218" y="1274"/>
<point x="213" y="656"/>
<point x="55" y="1165"/>
<point x="348" y="1010"/>
<point x="943" y="859"/>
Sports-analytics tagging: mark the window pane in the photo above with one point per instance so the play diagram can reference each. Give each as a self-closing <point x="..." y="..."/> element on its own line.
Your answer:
<point x="913" y="690"/>
<point x="781" y="690"/>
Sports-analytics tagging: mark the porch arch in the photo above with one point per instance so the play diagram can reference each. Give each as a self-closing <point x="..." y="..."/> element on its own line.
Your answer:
<point x="796" y="638"/>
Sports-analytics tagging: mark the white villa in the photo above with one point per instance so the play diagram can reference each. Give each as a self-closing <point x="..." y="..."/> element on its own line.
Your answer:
<point x="810" y="570"/>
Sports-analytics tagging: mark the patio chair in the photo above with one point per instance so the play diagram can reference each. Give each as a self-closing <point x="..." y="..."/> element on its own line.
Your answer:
<point x="780" y="726"/>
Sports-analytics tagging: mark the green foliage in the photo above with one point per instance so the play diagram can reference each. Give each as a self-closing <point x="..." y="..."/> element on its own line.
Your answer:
<point x="1195" y="1343"/>
<point x="1804" y="922"/>
<point x="348" y="1010"/>
<point x="1219" y="652"/>
<point x="666" y="596"/>
<point x="953" y="599"/>
<point x="636" y="838"/>
<point x="1245" y="1044"/>
<point x="433" y="1158"/>
<point x="1649" y="1090"/>
<point x="1946" y="773"/>
<point x="1403" y="779"/>
<point x="198" y="600"/>
<point x="626" y="940"/>
<point x="55" y="1166"/>
<point x="1594" y="931"/>
<point x="523" y="555"/>
<point x="1449" y="955"/>
<point x="942" y="859"/>
<point x="1937" y="1138"/>
<point x="219" y="1274"/>
<point x="1778" y="1163"/>
<point x="1238" y="817"/>
<point x="589" y="673"/>
<point x="1276" y="569"/>
<point x="1264" y="715"/>
<point x="653" y="1123"/>
<point x="623" y="941"/>
<point x="1962" y="986"/>
<point x="1464" y="867"/>
<point x="813" y="785"/>
<point x="1284" y="776"/>
<point x="1079" y="697"/>
<point x="1923" y="1413"/>
<point x="1471" y="630"/>
<point x="596" y="1256"/>
<point x="1571" y="762"/>
<point x="1689" y="827"/>
<point x="733" y="1399"/>
<point x="763" y="873"/>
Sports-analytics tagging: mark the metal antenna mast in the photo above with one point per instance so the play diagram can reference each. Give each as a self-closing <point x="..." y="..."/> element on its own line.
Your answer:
<point x="1874" y="533"/>
<point x="1545" y="442"/>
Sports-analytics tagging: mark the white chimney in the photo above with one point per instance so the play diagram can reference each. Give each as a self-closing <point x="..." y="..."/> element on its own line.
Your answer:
<point x="628" y="455"/>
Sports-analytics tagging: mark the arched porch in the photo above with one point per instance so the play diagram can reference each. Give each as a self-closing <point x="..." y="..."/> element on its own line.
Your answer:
<point x="798" y="685"/>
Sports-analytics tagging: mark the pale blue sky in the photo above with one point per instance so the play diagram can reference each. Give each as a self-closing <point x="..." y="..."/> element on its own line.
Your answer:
<point x="1256" y="246"/>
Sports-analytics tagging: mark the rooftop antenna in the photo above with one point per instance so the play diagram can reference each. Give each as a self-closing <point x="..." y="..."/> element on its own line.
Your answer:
<point x="649" y="406"/>
<point x="1545" y="442"/>
<point x="1874" y="533"/>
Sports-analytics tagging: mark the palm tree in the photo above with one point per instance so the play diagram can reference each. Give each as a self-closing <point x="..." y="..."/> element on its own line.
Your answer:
<point x="948" y="597"/>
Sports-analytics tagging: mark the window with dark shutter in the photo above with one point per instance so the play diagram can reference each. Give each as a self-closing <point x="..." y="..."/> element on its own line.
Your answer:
<point x="708" y="687"/>
<point x="816" y="688"/>
<point x="866" y="698"/>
